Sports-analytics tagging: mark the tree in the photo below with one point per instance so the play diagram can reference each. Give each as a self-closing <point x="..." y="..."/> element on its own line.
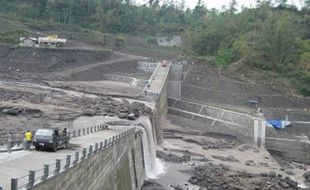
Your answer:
<point x="199" y="10"/>
<point x="232" y="6"/>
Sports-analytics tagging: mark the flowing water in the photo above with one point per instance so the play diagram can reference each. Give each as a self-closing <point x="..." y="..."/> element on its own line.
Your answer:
<point x="153" y="166"/>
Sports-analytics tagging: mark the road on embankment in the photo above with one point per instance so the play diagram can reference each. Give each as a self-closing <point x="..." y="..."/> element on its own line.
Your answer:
<point x="18" y="164"/>
<point x="117" y="57"/>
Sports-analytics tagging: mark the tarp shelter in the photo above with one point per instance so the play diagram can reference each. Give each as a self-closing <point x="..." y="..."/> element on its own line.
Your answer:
<point x="278" y="123"/>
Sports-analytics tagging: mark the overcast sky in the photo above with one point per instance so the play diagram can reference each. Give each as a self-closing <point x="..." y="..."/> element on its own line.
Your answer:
<point x="219" y="3"/>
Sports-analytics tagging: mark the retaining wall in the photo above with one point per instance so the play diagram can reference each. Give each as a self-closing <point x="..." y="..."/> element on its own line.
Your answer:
<point x="125" y="79"/>
<point x="148" y="67"/>
<point x="290" y="147"/>
<point x="116" y="167"/>
<point x="218" y="120"/>
<point x="175" y="81"/>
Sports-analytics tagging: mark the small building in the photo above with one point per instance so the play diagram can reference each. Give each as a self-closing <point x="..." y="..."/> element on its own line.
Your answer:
<point x="51" y="41"/>
<point x="28" y="41"/>
<point x="174" y="41"/>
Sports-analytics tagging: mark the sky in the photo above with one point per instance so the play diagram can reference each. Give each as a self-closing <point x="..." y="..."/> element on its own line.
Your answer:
<point x="219" y="3"/>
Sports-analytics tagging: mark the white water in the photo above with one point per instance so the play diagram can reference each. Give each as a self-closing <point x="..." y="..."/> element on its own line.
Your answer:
<point x="153" y="166"/>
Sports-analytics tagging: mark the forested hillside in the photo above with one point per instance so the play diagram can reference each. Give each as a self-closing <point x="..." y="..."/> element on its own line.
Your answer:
<point x="273" y="37"/>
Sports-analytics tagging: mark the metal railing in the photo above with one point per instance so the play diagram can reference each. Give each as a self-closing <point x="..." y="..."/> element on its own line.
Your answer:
<point x="20" y="144"/>
<point x="11" y="145"/>
<point x="35" y="177"/>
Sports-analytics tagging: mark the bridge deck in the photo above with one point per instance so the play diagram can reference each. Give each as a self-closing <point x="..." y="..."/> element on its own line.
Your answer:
<point x="19" y="163"/>
<point x="159" y="78"/>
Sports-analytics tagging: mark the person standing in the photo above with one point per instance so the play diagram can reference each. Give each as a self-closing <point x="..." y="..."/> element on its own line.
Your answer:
<point x="64" y="132"/>
<point x="28" y="136"/>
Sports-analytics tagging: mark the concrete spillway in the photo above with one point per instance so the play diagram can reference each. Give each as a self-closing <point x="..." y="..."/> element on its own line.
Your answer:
<point x="153" y="166"/>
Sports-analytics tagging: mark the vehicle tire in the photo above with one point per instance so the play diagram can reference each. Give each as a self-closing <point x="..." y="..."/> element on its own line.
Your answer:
<point x="55" y="148"/>
<point x="37" y="148"/>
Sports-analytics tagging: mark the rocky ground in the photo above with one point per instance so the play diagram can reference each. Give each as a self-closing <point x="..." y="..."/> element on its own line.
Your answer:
<point x="38" y="60"/>
<point x="24" y="108"/>
<point x="219" y="162"/>
<point x="220" y="177"/>
<point x="42" y="87"/>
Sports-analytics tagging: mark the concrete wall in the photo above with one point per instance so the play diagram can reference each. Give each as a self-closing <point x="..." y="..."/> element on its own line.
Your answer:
<point x="291" y="149"/>
<point x="214" y="119"/>
<point x="296" y="148"/>
<point x="162" y="102"/>
<point x="118" y="78"/>
<point x="118" y="167"/>
<point x="161" y="99"/>
<point x="174" y="83"/>
<point x="148" y="67"/>
<point x="125" y="79"/>
<point x="217" y="120"/>
<point x="175" y="41"/>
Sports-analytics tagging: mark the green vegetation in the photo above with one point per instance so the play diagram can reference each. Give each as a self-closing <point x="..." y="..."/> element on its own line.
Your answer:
<point x="272" y="37"/>
<point x="12" y="35"/>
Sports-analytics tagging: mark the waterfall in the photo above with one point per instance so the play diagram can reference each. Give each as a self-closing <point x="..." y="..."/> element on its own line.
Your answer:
<point x="153" y="166"/>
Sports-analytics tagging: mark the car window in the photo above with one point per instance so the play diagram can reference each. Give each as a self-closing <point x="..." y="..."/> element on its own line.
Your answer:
<point x="44" y="132"/>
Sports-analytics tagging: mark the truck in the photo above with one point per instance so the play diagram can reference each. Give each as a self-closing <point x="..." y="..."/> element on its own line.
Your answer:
<point x="50" y="138"/>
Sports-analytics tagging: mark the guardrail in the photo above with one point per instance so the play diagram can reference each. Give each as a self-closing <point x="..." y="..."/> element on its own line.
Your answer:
<point x="20" y="144"/>
<point x="35" y="177"/>
<point x="11" y="145"/>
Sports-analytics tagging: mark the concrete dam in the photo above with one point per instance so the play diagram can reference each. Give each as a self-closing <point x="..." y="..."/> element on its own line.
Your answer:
<point x="113" y="153"/>
<point x="121" y="162"/>
<point x="120" y="157"/>
<point x="123" y="155"/>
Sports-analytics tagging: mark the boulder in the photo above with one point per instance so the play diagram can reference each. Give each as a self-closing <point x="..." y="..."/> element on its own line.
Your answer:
<point x="115" y="103"/>
<point x="122" y="115"/>
<point x="89" y="112"/>
<point x="307" y="174"/>
<point x="273" y="174"/>
<point x="131" y="117"/>
<point x="289" y="172"/>
<point x="307" y="177"/>
<point x="137" y="105"/>
<point x="291" y="183"/>
<point x="12" y="111"/>
<point x="283" y="184"/>
<point x="136" y="112"/>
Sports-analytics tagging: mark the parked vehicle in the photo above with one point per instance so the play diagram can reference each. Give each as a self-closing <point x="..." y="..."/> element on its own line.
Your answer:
<point x="50" y="138"/>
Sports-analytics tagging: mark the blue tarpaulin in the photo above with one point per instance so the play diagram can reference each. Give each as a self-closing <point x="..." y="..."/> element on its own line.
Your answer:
<point x="276" y="123"/>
